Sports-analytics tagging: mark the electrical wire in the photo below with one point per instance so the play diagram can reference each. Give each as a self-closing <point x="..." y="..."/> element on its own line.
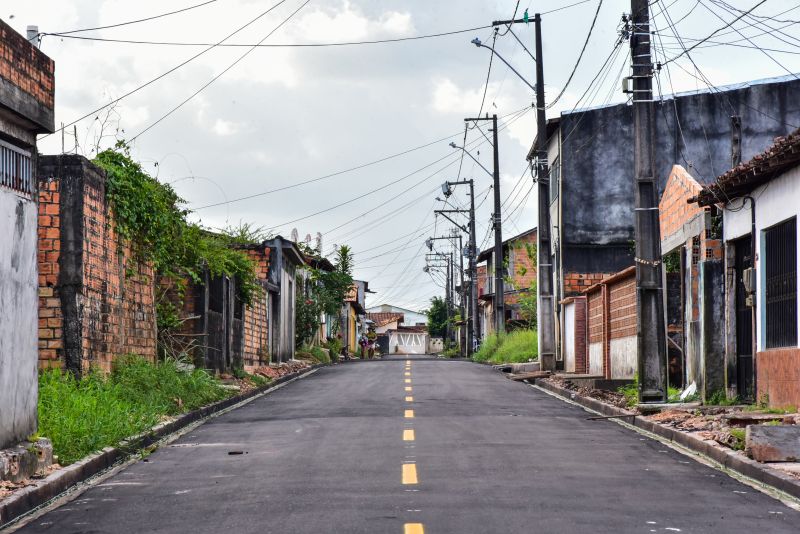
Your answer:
<point x="66" y="33"/>
<point x="275" y="45"/>
<point x="168" y="72"/>
<point x="218" y="76"/>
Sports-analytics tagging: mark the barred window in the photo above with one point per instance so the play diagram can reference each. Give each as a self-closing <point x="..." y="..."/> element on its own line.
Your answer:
<point x="781" y="284"/>
<point x="15" y="169"/>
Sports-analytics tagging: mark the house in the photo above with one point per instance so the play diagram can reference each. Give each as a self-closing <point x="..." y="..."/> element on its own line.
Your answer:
<point x="410" y="317"/>
<point x="354" y="315"/>
<point x="591" y="171"/>
<point x="285" y="259"/>
<point x="519" y="252"/>
<point x="97" y="301"/>
<point x="326" y="322"/>
<point x="26" y="110"/>
<point x="760" y="202"/>
<point x="385" y="321"/>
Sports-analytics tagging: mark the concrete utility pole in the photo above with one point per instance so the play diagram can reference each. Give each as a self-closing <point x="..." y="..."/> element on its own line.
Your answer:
<point x="473" y="321"/>
<point x="462" y="298"/>
<point x="546" y="307"/>
<point x="651" y="330"/>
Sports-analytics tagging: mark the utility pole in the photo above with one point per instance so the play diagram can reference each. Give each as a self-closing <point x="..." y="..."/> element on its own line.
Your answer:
<point x="462" y="298"/>
<point x="499" y="293"/>
<point x="651" y="331"/>
<point x="473" y="320"/>
<point x="544" y="268"/>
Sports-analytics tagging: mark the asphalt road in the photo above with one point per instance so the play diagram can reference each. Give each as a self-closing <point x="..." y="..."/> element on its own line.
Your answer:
<point x="339" y="452"/>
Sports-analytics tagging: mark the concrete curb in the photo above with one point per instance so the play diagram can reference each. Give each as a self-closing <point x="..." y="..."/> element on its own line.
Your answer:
<point x="728" y="459"/>
<point x="52" y="486"/>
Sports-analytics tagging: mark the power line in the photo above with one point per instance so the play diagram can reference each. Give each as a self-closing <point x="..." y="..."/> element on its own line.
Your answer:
<point x="218" y="76"/>
<point x="64" y="34"/>
<point x="580" y="56"/>
<point x="170" y="71"/>
<point x="275" y="45"/>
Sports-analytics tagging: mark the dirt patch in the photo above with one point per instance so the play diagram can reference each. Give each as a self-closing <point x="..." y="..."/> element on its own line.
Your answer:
<point x="612" y="398"/>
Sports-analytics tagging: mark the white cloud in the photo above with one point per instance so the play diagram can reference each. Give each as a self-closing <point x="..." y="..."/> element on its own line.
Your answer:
<point x="224" y="128"/>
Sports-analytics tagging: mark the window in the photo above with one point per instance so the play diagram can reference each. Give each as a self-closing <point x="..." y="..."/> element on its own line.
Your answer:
<point x="15" y="169"/>
<point x="555" y="176"/>
<point x="780" y="294"/>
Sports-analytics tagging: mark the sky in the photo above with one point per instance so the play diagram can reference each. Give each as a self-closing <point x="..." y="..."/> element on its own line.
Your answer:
<point x="370" y="124"/>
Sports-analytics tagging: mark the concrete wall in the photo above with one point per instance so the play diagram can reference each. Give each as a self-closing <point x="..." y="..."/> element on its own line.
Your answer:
<point x="435" y="344"/>
<point x="597" y="157"/>
<point x="779" y="377"/>
<point x="18" y="317"/>
<point x="596" y="359"/>
<point x="623" y="357"/>
<point x="408" y="343"/>
<point x="569" y="337"/>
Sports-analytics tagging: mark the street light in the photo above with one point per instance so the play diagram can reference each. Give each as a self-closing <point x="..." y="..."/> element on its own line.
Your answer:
<point x="477" y="42"/>
<point x="453" y="145"/>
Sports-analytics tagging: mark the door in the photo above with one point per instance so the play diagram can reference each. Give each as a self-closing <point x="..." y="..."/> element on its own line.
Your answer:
<point x="744" y="322"/>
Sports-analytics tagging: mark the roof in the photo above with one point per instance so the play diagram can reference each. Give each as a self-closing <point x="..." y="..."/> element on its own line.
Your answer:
<point x="783" y="155"/>
<point x="552" y="127"/>
<point x="384" y="318"/>
<point x="318" y="262"/>
<point x="397" y="308"/>
<point x="288" y="246"/>
<point x="484" y="255"/>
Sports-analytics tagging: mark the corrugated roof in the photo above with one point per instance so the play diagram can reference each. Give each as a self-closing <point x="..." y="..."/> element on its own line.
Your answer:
<point x="384" y="318"/>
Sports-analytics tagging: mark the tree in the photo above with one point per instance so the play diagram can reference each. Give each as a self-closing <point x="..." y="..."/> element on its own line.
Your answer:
<point x="527" y="299"/>
<point x="437" y="317"/>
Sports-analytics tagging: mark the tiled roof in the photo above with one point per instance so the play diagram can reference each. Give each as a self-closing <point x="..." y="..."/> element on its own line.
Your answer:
<point x="384" y="318"/>
<point x="783" y="155"/>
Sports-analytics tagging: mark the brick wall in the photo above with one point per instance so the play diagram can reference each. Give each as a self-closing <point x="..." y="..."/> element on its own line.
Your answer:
<point x="256" y="325"/>
<point x="581" y="345"/>
<point x="576" y="283"/>
<point x="26" y="66"/>
<point x="96" y="300"/>
<point x="779" y="377"/>
<point x="674" y="211"/>
<point x="622" y="306"/>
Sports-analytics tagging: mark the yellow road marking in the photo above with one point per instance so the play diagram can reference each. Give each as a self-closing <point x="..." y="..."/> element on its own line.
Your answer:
<point x="408" y="434"/>
<point x="413" y="528"/>
<point x="407" y="373"/>
<point x="408" y="388"/>
<point x="409" y="473"/>
<point x="409" y="414"/>
<point x="409" y="399"/>
<point x="408" y="380"/>
<point x="408" y="362"/>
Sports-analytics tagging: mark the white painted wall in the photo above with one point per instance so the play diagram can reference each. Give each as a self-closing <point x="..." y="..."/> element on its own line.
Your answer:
<point x="569" y="337"/>
<point x="408" y="343"/>
<point x="776" y="201"/>
<point x="623" y="357"/>
<point x="19" y="312"/>
<point x="596" y="359"/>
<point x="435" y="344"/>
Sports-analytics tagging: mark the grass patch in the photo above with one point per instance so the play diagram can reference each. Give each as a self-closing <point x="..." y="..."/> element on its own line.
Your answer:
<point x="738" y="434"/>
<point x="519" y="346"/>
<point x="84" y="415"/>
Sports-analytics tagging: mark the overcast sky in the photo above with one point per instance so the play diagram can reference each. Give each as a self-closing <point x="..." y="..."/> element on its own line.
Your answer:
<point x="286" y="115"/>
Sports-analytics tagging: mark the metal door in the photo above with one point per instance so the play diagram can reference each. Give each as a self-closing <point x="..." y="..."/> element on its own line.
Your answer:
<point x="744" y="322"/>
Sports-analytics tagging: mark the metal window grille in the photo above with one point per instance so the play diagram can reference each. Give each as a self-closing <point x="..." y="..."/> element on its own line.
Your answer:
<point x="16" y="171"/>
<point x="781" y="284"/>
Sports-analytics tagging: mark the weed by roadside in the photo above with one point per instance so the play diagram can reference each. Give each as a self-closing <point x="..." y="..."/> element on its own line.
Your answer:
<point x="84" y="415"/>
<point x="518" y="346"/>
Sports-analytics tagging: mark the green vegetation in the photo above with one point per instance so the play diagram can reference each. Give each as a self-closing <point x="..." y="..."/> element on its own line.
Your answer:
<point x="720" y="398"/>
<point x="738" y="434"/>
<point x="83" y="415"/>
<point x="322" y="292"/>
<point x="437" y="317"/>
<point x="312" y="352"/>
<point x="451" y="350"/>
<point x="518" y="346"/>
<point x="631" y="392"/>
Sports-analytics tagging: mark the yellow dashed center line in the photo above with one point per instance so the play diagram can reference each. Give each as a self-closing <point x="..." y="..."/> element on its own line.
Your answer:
<point x="408" y="380"/>
<point x="409" y="414"/>
<point x="409" y="388"/>
<point x="407" y="373"/>
<point x="409" y="398"/>
<point x="408" y="434"/>
<point x="413" y="528"/>
<point x="409" y="473"/>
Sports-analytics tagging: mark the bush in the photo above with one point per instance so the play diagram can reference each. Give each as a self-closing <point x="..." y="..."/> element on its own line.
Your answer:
<point x="518" y="346"/>
<point x="84" y="415"/>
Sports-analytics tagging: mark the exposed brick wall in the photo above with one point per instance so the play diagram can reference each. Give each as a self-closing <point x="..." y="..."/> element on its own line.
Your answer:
<point x="622" y="305"/>
<point x="51" y="343"/>
<point x="482" y="280"/>
<point x="114" y="312"/>
<point x="575" y="283"/>
<point x="26" y="66"/>
<point x="779" y="377"/>
<point x="581" y="346"/>
<point x="256" y="325"/>
<point x="674" y="211"/>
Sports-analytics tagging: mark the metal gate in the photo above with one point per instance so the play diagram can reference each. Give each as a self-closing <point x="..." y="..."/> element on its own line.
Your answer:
<point x="744" y="322"/>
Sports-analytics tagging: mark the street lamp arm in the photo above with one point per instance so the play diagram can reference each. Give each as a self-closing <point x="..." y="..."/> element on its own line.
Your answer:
<point x="473" y="159"/>
<point x="477" y="42"/>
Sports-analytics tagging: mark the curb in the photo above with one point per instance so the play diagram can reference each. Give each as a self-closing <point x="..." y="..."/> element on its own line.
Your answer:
<point x="728" y="459"/>
<point x="52" y="486"/>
